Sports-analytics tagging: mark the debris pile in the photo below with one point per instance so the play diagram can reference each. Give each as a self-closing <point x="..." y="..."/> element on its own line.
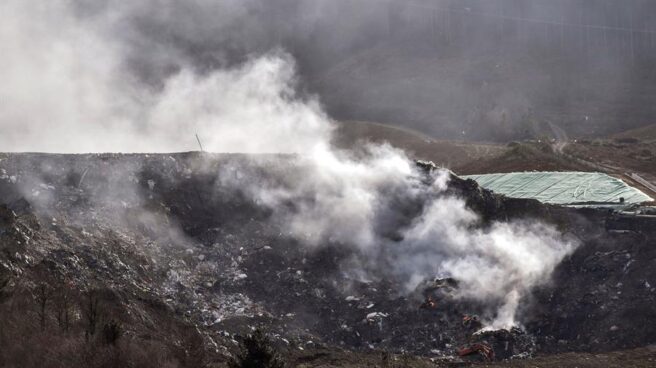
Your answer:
<point x="164" y="238"/>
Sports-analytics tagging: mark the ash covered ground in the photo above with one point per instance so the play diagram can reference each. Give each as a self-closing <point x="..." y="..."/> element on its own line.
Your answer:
<point x="186" y="263"/>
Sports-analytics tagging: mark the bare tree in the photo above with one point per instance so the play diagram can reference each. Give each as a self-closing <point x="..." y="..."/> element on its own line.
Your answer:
<point x="63" y="305"/>
<point x="42" y="295"/>
<point x="90" y="312"/>
<point x="4" y="285"/>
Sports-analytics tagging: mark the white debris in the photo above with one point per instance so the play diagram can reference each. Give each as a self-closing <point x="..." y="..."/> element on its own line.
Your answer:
<point x="151" y="184"/>
<point x="376" y="315"/>
<point x="626" y="267"/>
<point x="352" y="298"/>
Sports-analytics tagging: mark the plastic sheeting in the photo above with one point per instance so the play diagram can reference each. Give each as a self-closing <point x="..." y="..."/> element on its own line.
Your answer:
<point x="564" y="188"/>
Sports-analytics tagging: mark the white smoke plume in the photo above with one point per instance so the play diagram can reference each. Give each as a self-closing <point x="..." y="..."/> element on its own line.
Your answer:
<point x="498" y="264"/>
<point x="346" y="200"/>
<point x="66" y="88"/>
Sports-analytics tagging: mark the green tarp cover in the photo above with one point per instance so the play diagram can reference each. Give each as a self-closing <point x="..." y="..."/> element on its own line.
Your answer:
<point x="562" y="187"/>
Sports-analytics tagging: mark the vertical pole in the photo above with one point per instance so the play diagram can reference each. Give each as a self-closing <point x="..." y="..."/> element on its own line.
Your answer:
<point x="199" y="144"/>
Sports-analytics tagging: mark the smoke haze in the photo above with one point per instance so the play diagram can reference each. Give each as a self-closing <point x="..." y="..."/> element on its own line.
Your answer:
<point x="473" y="69"/>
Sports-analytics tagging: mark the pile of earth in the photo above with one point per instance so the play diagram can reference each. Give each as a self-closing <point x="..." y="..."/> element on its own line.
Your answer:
<point x="190" y="265"/>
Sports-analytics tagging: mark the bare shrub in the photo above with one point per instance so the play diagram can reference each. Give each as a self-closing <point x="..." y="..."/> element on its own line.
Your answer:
<point x="256" y="352"/>
<point x="112" y="331"/>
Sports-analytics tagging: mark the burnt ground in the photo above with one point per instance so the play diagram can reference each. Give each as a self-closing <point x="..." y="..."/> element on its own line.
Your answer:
<point x="186" y="266"/>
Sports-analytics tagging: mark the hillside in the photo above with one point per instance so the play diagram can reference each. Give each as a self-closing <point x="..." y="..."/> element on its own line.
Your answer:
<point x="646" y="133"/>
<point x="486" y="94"/>
<point x="157" y="258"/>
<point x="450" y="154"/>
<point x="614" y="155"/>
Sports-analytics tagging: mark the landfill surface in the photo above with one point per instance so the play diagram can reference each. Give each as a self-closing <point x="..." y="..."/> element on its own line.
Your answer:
<point x="169" y="251"/>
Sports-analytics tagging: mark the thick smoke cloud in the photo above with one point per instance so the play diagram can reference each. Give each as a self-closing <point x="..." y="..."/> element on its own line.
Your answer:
<point x="499" y="264"/>
<point x="69" y="85"/>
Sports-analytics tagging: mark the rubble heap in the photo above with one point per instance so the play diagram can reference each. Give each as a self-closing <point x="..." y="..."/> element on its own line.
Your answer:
<point x="164" y="241"/>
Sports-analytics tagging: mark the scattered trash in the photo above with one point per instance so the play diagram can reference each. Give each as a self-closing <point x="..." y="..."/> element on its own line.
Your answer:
<point x="484" y="350"/>
<point x="375" y="316"/>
